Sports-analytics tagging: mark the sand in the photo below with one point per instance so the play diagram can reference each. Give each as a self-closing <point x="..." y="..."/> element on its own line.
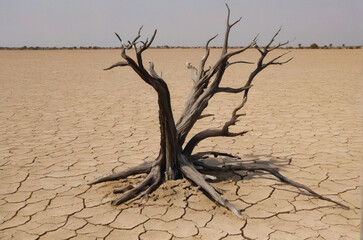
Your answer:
<point x="64" y="122"/>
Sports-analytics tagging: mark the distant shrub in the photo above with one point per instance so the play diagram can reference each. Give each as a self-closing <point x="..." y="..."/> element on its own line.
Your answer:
<point x="314" y="46"/>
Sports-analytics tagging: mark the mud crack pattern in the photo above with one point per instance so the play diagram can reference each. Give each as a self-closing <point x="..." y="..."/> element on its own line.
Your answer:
<point x="65" y="122"/>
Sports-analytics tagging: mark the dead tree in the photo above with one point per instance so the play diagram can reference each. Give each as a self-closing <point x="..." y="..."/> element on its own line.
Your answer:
<point x="175" y="159"/>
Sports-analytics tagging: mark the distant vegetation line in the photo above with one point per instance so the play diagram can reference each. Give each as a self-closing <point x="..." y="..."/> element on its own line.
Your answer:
<point x="312" y="46"/>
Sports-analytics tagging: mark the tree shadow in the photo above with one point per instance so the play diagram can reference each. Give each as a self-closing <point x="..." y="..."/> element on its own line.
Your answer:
<point x="221" y="160"/>
<point x="225" y="167"/>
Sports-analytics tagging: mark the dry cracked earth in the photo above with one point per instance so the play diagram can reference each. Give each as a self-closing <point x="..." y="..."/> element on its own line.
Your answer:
<point x="64" y="122"/>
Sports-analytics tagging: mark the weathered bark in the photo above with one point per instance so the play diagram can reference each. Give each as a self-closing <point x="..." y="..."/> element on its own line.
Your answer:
<point x="175" y="160"/>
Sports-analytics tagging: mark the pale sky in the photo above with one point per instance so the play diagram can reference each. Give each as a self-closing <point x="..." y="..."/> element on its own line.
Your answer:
<point x="48" y="23"/>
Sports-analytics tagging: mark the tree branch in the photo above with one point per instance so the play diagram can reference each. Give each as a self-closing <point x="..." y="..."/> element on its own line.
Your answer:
<point x="215" y="89"/>
<point x="273" y="61"/>
<point x="228" y="28"/>
<point x="147" y="44"/>
<point x="223" y="132"/>
<point x="272" y="39"/>
<point x="237" y="62"/>
<point x="231" y="54"/>
<point x="204" y="89"/>
<point x="118" y="64"/>
<point x="201" y="71"/>
<point x="232" y="90"/>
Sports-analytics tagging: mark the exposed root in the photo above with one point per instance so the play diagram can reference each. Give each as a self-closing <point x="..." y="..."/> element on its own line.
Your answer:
<point x="191" y="173"/>
<point x="134" y="192"/>
<point x="158" y="179"/>
<point x="122" y="190"/>
<point x="277" y="174"/>
<point x="143" y="189"/>
<point x="155" y="178"/>
<point x="152" y="181"/>
<point x="139" y="169"/>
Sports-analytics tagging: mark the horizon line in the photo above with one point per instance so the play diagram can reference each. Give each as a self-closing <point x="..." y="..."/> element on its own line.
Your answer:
<point x="330" y="46"/>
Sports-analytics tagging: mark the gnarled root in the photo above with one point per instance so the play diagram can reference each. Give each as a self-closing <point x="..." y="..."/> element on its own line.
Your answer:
<point x="139" y="169"/>
<point x="155" y="178"/>
<point x="191" y="173"/>
<point x="143" y="189"/>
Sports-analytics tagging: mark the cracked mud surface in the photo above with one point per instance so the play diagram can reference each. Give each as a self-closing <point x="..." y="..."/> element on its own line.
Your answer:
<point x="65" y="122"/>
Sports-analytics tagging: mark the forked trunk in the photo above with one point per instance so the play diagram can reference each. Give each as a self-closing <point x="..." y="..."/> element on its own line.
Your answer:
<point x="169" y="148"/>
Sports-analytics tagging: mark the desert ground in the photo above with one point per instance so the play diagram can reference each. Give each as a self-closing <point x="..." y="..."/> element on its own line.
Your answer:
<point x="65" y="122"/>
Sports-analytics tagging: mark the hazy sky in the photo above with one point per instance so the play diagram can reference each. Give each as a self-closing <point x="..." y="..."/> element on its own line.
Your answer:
<point x="179" y="23"/>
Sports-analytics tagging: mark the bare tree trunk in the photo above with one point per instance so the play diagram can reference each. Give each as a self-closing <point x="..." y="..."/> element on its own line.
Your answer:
<point x="175" y="160"/>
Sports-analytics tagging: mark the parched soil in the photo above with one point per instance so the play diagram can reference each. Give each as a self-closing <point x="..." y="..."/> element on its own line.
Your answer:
<point x="65" y="122"/>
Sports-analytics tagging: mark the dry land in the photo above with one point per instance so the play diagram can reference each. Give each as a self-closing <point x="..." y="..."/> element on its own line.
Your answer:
<point x="64" y="122"/>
